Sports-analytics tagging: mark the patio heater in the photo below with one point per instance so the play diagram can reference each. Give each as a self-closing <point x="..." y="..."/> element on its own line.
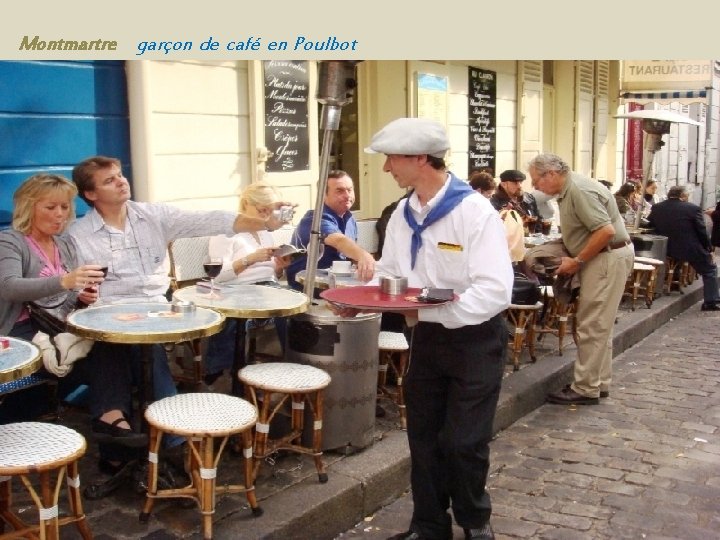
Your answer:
<point x="336" y="84"/>
<point x="345" y="347"/>
<point x="655" y="124"/>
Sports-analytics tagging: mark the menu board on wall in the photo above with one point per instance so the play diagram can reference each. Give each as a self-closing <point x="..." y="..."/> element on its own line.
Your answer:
<point x="286" y="115"/>
<point x="482" y="101"/>
<point x="432" y="97"/>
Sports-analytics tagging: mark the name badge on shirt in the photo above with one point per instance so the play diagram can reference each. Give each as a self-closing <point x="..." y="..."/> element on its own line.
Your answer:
<point x="449" y="247"/>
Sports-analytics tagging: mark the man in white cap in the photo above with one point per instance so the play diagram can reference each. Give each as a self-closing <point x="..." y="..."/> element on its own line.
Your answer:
<point x="446" y="235"/>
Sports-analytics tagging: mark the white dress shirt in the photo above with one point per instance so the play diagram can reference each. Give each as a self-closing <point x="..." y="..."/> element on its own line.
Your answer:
<point x="465" y="251"/>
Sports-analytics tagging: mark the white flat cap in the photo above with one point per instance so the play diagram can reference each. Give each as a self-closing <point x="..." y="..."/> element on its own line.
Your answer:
<point x="411" y="137"/>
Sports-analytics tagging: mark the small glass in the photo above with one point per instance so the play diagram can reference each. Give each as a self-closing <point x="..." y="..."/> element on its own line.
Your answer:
<point x="546" y="226"/>
<point x="91" y="285"/>
<point x="212" y="267"/>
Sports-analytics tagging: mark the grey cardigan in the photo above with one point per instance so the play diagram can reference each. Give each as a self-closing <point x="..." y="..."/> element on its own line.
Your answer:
<point x="19" y="268"/>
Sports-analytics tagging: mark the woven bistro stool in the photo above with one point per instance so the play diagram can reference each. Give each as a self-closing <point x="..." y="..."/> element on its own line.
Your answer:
<point x="51" y="452"/>
<point x="676" y="273"/>
<point x="299" y="383"/>
<point x="557" y="316"/>
<point x="652" y="284"/>
<point x="641" y="279"/>
<point x="394" y="352"/>
<point x="523" y="318"/>
<point x="201" y="418"/>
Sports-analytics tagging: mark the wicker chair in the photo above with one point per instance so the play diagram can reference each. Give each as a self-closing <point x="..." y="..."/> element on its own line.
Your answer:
<point x="522" y="318"/>
<point x="297" y="383"/>
<point x="641" y="281"/>
<point x="556" y="317"/>
<point x="186" y="268"/>
<point x="394" y="354"/>
<point x="201" y="418"/>
<point x="47" y="452"/>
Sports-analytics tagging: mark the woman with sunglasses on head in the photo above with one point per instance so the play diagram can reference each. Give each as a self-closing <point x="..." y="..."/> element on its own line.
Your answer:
<point x="247" y="259"/>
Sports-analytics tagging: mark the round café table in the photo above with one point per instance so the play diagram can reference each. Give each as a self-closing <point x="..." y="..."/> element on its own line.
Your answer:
<point x="143" y="324"/>
<point x="17" y="364"/>
<point x="245" y="302"/>
<point x="21" y="359"/>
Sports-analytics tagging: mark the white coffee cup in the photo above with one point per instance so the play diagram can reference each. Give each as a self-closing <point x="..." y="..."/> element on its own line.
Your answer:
<point x="342" y="267"/>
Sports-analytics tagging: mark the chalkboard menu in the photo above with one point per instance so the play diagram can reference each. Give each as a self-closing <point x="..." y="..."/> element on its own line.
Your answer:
<point x="286" y="115"/>
<point x="482" y="100"/>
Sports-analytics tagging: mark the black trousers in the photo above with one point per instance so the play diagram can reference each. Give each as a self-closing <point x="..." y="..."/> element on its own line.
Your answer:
<point x="451" y="392"/>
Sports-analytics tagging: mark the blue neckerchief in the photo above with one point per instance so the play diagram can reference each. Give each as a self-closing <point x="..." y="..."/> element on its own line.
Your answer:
<point x="456" y="191"/>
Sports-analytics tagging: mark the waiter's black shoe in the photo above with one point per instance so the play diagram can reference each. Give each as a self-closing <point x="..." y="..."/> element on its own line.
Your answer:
<point x="604" y="393"/>
<point x="710" y="307"/>
<point x="112" y="434"/>
<point x="483" y="533"/>
<point x="568" y="396"/>
<point x="407" y="535"/>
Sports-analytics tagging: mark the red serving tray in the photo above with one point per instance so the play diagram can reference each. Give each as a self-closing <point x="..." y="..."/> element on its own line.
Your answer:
<point x="371" y="297"/>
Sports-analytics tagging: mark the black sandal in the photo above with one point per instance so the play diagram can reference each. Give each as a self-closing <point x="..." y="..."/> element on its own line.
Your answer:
<point x="111" y="433"/>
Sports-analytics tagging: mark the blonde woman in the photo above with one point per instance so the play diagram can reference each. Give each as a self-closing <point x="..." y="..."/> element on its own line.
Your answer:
<point x="247" y="256"/>
<point x="38" y="263"/>
<point x="247" y="259"/>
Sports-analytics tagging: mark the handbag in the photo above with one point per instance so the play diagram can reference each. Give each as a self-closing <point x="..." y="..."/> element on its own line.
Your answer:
<point x="45" y="321"/>
<point x="525" y="292"/>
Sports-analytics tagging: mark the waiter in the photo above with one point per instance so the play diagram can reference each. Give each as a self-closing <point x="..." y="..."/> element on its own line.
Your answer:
<point x="446" y="235"/>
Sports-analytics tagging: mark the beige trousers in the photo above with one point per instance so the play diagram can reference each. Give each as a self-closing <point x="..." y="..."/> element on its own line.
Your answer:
<point x="602" y="282"/>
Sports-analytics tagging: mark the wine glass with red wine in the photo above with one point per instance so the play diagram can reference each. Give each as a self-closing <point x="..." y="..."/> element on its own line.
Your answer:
<point x="212" y="267"/>
<point x="92" y="284"/>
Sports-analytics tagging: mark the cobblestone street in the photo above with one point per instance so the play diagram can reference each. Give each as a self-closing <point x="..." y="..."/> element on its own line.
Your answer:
<point x="645" y="463"/>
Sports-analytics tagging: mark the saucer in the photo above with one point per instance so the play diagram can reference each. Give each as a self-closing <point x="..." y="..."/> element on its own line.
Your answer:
<point x="344" y="273"/>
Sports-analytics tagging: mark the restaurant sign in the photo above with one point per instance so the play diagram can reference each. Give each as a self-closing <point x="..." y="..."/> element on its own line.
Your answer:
<point x="666" y="74"/>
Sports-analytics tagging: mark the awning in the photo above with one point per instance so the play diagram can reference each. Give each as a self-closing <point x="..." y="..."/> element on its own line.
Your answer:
<point x="684" y="97"/>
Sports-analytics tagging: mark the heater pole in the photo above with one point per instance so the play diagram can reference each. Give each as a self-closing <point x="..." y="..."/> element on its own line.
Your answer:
<point x="336" y="81"/>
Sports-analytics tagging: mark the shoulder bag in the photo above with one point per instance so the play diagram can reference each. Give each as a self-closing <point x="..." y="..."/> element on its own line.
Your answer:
<point x="45" y="320"/>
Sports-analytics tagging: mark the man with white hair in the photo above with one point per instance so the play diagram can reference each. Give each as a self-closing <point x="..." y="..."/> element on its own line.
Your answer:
<point x="602" y="255"/>
<point x="446" y="235"/>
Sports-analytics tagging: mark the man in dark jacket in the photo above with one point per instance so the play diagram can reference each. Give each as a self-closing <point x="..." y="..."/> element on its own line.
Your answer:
<point x="509" y="194"/>
<point x="715" y="217"/>
<point x="682" y="222"/>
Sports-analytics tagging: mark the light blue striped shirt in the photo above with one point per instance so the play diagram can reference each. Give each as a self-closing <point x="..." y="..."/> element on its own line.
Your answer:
<point x="137" y="258"/>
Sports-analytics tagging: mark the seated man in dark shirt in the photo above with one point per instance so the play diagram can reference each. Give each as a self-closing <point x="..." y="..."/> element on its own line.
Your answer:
<point x="338" y="231"/>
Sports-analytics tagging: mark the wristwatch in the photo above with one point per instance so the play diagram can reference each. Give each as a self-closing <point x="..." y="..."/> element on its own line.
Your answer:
<point x="580" y="262"/>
